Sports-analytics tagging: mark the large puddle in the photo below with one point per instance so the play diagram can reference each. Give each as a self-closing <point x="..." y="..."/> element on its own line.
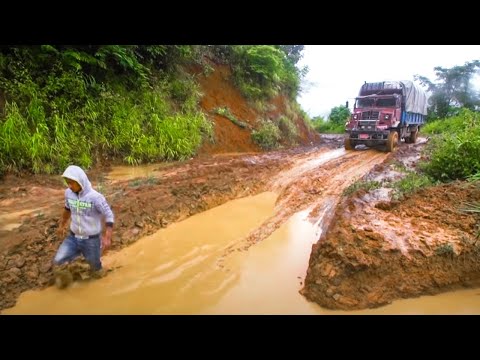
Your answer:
<point x="185" y="269"/>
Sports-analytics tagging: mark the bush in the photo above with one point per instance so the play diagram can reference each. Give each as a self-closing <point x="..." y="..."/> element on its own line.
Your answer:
<point x="268" y="136"/>
<point x="454" y="153"/>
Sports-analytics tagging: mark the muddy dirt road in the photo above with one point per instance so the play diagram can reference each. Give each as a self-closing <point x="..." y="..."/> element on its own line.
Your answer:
<point x="30" y="207"/>
<point x="308" y="179"/>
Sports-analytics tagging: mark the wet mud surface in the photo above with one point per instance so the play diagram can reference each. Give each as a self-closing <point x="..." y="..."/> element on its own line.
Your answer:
<point x="374" y="250"/>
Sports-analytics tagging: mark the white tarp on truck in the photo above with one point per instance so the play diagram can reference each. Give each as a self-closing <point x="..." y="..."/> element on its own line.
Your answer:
<point x="415" y="98"/>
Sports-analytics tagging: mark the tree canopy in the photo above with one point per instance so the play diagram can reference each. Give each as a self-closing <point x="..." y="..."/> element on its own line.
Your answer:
<point x="339" y="115"/>
<point x="452" y="90"/>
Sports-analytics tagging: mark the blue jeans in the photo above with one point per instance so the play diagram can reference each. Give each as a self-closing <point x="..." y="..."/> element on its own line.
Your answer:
<point x="72" y="247"/>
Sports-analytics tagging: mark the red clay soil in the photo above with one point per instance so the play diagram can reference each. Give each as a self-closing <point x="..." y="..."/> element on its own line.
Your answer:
<point x="229" y="137"/>
<point x="377" y="250"/>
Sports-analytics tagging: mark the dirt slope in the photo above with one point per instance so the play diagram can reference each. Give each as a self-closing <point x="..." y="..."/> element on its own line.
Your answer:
<point x="229" y="137"/>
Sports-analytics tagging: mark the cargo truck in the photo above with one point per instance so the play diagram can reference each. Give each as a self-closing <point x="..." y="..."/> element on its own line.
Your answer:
<point x="384" y="113"/>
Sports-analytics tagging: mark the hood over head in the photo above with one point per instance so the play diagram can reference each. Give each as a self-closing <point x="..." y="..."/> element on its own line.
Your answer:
<point x="76" y="173"/>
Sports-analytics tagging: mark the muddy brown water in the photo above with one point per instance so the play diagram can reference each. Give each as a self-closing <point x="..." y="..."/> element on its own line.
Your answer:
<point x="176" y="271"/>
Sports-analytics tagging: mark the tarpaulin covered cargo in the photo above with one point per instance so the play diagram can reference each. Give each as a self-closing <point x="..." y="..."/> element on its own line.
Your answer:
<point x="415" y="96"/>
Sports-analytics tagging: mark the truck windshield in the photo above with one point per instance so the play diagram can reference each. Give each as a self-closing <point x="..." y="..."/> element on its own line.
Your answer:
<point x="386" y="102"/>
<point x="370" y="102"/>
<point x="362" y="103"/>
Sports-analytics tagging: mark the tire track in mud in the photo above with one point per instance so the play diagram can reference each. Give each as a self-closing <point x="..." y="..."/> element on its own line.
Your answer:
<point x="315" y="183"/>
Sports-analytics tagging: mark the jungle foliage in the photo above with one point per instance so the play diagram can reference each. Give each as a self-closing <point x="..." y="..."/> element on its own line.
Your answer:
<point x="452" y="90"/>
<point x="84" y="104"/>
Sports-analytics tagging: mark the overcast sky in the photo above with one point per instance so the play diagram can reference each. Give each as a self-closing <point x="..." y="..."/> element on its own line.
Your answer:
<point x="336" y="72"/>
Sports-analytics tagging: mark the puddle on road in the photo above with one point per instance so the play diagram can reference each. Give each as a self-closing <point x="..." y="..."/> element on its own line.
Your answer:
<point x="176" y="271"/>
<point x="272" y="273"/>
<point x="132" y="172"/>
<point x="286" y="177"/>
<point x="13" y="220"/>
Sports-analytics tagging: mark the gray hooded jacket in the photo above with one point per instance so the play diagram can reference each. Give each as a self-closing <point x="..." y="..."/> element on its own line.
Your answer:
<point x="88" y="207"/>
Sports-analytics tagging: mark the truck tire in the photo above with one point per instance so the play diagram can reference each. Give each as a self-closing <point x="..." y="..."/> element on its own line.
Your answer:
<point x="348" y="144"/>
<point x="392" y="141"/>
<point x="413" y="137"/>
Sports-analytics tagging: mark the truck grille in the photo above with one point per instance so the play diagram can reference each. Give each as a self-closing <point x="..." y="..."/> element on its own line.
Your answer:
<point x="366" y="124"/>
<point x="370" y="115"/>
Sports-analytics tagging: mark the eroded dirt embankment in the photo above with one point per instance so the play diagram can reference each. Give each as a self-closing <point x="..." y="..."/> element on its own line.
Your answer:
<point x="377" y="250"/>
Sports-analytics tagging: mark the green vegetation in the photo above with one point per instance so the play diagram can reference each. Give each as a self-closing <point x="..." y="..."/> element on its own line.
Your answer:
<point x="336" y="121"/>
<point x="411" y="183"/>
<point x="227" y="113"/>
<point x="475" y="178"/>
<point x="362" y="185"/>
<point x="445" y="250"/>
<point x="62" y="104"/>
<point x="288" y="130"/>
<point x="268" y="136"/>
<point x="264" y="71"/>
<point x="454" y="123"/>
<point x="452" y="91"/>
<point x="455" y="152"/>
<point x="339" y="115"/>
<point x="326" y="127"/>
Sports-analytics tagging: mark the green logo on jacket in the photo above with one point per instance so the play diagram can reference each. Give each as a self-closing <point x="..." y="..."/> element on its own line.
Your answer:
<point x="77" y="204"/>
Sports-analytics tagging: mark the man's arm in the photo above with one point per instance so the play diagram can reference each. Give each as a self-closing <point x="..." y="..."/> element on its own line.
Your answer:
<point x="107" y="212"/>
<point x="107" y="239"/>
<point x="63" y="223"/>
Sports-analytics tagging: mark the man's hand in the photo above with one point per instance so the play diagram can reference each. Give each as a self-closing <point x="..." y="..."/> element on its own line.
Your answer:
<point x="107" y="239"/>
<point x="61" y="231"/>
<point x="62" y="225"/>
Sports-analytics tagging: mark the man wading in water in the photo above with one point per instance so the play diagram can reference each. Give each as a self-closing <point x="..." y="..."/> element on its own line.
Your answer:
<point x="86" y="208"/>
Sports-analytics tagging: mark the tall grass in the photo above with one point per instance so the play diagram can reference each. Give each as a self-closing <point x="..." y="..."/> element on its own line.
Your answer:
<point x="72" y="119"/>
<point x="85" y="104"/>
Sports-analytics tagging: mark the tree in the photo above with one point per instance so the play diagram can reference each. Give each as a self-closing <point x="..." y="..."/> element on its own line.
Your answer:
<point x="339" y="115"/>
<point x="452" y="90"/>
<point x="293" y="52"/>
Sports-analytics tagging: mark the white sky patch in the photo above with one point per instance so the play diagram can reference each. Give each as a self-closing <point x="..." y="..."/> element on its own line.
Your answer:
<point x="336" y="72"/>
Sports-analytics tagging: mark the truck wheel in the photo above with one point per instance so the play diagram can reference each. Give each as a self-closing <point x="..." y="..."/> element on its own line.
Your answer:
<point x="413" y="137"/>
<point x="392" y="141"/>
<point x="348" y="144"/>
